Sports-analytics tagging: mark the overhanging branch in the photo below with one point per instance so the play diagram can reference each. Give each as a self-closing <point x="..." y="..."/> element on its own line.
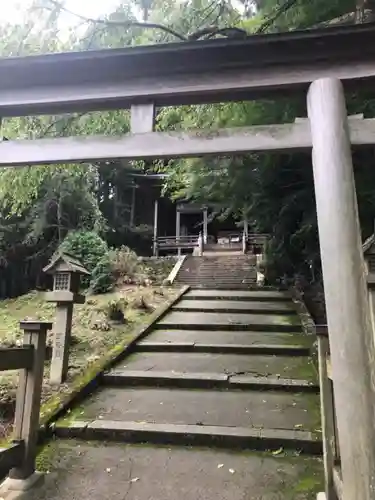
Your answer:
<point x="125" y="24"/>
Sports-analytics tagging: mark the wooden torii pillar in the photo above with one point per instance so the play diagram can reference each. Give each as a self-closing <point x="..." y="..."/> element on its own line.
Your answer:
<point x="349" y="325"/>
<point x="205" y="224"/>
<point x="178" y="230"/>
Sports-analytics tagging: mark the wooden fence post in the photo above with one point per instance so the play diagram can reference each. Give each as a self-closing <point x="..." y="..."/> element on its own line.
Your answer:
<point x="155" y="242"/>
<point x="349" y="325"/>
<point x="327" y="413"/>
<point x="61" y="342"/>
<point x="26" y="426"/>
<point x="200" y="244"/>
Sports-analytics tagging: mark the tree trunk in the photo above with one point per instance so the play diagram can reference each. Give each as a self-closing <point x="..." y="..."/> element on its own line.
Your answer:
<point x="59" y="220"/>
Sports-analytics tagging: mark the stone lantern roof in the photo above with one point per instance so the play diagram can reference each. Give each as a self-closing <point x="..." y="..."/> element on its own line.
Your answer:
<point x="63" y="262"/>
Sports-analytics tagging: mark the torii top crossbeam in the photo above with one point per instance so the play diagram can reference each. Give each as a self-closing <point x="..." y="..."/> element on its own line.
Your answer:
<point x="186" y="72"/>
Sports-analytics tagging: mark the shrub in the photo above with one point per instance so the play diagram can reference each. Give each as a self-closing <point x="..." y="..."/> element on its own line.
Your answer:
<point x="115" y="310"/>
<point x="125" y="264"/>
<point x="101" y="277"/>
<point x="87" y="246"/>
<point x="157" y="270"/>
<point x="141" y="304"/>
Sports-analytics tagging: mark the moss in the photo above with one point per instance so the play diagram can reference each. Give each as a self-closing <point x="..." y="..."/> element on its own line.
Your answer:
<point x="292" y="319"/>
<point x="308" y="480"/>
<point x="305" y="370"/>
<point x="57" y="403"/>
<point x="313" y="408"/>
<point x="46" y="457"/>
<point x="308" y="483"/>
<point x="295" y="339"/>
<point x="57" y="455"/>
<point x="76" y="413"/>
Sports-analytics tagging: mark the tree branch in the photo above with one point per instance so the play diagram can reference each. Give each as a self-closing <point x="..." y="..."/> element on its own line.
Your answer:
<point x="68" y="120"/>
<point x="126" y="24"/>
<point x="288" y="4"/>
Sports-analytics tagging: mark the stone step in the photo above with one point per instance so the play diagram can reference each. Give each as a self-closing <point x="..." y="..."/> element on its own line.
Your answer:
<point x="257" y="295"/>
<point x="269" y="418"/>
<point x="236" y="306"/>
<point x="230" y="437"/>
<point x="192" y="347"/>
<point x="217" y="283"/>
<point x="225" y="275"/>
<point x="117" y="471"/>
<point x="172" y="380"/>
<point x="245" y="338"/>
<point x="227" y="364"/>
<point x="218" y="270"/>
<point x="225" y="256"/>
<point x="215" y="279"/>
<point x="225" y="321"/>
<point x="230" y="277"/>
<point x="233" y="286"/>
<point x="215" y="263"/>
<point x="202" y="283"/>
<point x="218" y="267"/>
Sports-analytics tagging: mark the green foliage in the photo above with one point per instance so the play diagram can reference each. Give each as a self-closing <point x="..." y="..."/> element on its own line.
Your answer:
<point x="125" y="264"/>
<point x="86" y="246"/>
<point x="102" y="280"/>
<point x="116" y="309"/>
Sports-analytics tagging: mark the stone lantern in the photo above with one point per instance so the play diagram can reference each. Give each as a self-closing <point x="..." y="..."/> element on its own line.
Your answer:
<point x="66" y="272"/>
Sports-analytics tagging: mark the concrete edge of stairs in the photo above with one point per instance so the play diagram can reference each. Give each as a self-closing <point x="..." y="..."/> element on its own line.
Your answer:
<point x="233" y="310"/>
<point x="288" y="328"/>
<point x="282" y="295"/>
<point x="200" y="347"/>
<point x="188" y="435"/>
<point x="171" y="380"/>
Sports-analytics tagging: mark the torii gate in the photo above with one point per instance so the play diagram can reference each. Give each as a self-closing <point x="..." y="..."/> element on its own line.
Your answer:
<point x="317" y="61"/>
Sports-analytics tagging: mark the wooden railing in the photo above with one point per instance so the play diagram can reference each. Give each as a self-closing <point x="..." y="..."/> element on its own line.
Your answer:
<point x="175" y="243"/>
<point x="229" y="237"/>
<point x="331" y="449"/>
<point x="19" y="458"/>
<point x="252" y="240"/>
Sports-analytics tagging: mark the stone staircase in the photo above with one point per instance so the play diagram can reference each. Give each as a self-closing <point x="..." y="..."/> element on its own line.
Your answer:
<point x="218" y="400"/>
<point x="216" y="270"/>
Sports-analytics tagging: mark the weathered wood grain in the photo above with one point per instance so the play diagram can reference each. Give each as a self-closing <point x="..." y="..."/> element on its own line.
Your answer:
<point x="286" y="137"/>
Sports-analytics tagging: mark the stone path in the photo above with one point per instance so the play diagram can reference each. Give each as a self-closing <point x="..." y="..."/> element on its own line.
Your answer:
<point x="223" y="370"/>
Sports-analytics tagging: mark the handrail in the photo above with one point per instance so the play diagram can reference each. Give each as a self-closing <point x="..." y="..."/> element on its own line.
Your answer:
<point x="176" y="239"/>
<point x="251" y="237"/>
<point x="19" y="459"/>
<point x="175" y="242"/>
<point x="331" y="450"/>
<point x="15" y="358"/>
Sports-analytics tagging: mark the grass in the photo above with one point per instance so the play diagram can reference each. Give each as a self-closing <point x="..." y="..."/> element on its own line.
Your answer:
<point x="94" y="334"/>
